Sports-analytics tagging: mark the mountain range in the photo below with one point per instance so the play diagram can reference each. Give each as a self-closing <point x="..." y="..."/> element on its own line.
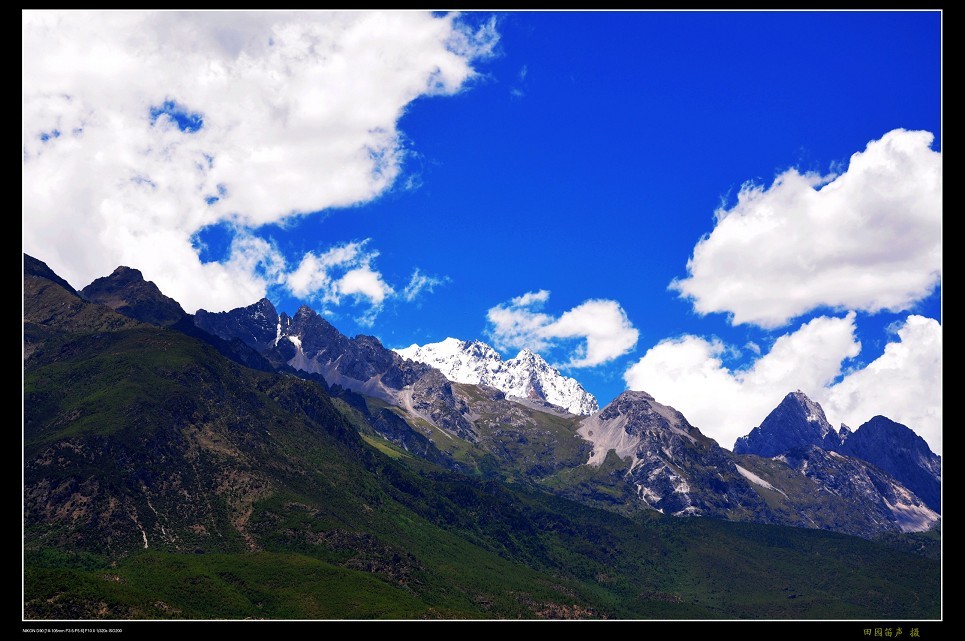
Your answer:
<point x="184" y="455"/>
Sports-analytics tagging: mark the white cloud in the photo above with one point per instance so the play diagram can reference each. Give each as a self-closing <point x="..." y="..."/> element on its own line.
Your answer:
<point x="868" y="239"/>
<point x="420" y="283"/>
<point x="313" y="279"/>
<point x="531" y="299"/>
<point x="366" y="283"/>
<point x="602" y="324"/>
<point x="298" y="112"/>
<point x="517" y="324"/>
<point x="904" y="384"/>
<point x="605" y="326"/>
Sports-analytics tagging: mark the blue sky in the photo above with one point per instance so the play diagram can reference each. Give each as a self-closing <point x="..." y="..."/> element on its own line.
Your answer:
<point x="480" y="158"/>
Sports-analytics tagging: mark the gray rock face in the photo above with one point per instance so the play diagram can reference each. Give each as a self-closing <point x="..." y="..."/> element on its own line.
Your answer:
<point x="897" y="450"/>
<point x="673" y="467"/>
<point x="796" y="422"/>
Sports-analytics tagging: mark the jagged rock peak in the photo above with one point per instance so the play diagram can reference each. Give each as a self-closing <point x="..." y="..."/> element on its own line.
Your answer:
<point x="796" y="422"/>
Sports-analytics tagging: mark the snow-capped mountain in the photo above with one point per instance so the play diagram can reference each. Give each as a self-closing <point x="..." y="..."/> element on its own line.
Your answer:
<point x="526" y="376"/>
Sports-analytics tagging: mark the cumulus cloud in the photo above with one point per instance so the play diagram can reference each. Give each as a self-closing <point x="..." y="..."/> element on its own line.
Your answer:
<point x="603" y="326"/>
<point x="904" y="384"/>
<point x="868" y="239"/>
<point x="142" y="128"/>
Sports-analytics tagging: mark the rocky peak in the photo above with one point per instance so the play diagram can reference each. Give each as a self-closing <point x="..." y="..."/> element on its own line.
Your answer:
<point x="305" y="312"/>
<point x="526" y="354"/>
<point x="126" y="292"/>
<point x="671" y="466"/>
<point x="796" y="422"/>
<point x="844" y="432"/>
<point x="255" y="325"/>
<point x="626" y="403"/>
<point x="35" y="268"/>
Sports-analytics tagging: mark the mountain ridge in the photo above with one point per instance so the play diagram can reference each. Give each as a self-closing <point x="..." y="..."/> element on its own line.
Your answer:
<point x="668" y="465"/>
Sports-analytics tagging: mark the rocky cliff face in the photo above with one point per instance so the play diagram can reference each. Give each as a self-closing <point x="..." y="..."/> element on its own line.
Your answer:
<point x="672" y="467"/>
<point x="877" y="500"/>
<point x="256" y="325"/>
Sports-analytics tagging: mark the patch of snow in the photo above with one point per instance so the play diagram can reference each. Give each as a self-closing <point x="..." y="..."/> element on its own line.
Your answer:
<point x="278" y="332"/>
<point x="756" y="480"/>
<point x="297" y="342"/>
<point x="526" y="376"/>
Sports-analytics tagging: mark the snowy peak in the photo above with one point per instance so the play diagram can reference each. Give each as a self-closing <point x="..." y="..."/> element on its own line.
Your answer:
<point x="796" y="422"/>
<point x="526" y="376"/>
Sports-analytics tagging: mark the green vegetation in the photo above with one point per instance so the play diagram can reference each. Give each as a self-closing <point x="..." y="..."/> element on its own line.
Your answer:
<point x="217" y="586"/>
